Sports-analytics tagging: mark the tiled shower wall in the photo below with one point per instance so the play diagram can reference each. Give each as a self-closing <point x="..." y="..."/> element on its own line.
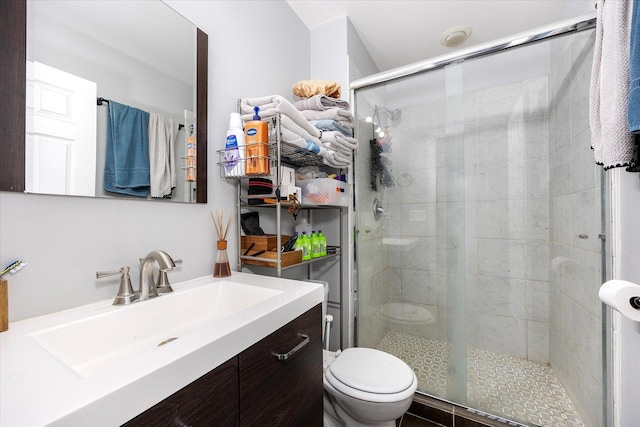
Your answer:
<point x="575" y="217"/>
<point x="486" y="177"/>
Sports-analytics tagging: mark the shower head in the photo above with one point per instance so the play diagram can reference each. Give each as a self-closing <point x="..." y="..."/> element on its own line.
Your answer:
<point x="395" y="114"/>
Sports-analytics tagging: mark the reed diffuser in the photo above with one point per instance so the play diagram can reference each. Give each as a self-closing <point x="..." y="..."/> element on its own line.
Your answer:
<point x="222" y="267"/>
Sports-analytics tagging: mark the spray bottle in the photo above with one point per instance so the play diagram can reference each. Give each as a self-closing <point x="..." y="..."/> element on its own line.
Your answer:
<point x="306" y="246"/>
<point x="323" y="243"/>
<point x="234" y="148"/>
<point x="315" y="245"/>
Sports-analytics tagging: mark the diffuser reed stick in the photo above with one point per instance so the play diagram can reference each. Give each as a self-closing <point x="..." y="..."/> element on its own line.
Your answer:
<point x="222" y="267"/>
<point x="218" y="221"/>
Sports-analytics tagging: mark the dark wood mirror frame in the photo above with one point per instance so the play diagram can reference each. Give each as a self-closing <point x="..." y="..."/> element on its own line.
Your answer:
<point x="13" y="68"/>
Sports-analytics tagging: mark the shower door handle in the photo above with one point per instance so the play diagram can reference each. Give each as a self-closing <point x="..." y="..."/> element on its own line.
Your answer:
<point x="377" y="209"/>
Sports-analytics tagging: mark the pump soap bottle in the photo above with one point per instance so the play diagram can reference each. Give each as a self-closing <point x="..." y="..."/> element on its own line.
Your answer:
<point x="256" y="136"/>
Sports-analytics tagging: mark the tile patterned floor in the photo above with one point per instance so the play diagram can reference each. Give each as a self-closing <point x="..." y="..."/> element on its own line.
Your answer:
<point x="515" y="388"/>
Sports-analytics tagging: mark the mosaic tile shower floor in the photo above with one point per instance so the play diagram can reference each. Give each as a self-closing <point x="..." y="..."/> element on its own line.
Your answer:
<point x="519" y="389"/>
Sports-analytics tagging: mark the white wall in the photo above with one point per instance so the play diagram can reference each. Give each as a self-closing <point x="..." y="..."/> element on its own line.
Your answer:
<point x="66" y="240"/>
<point x="338" y="54"/>
<point x="629" y="191"/>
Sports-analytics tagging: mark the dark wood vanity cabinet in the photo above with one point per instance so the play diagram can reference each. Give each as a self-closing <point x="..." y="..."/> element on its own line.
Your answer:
<point x="211" y="400"/>
<point x="284" y="392"/>
<point x="254" y="388"/>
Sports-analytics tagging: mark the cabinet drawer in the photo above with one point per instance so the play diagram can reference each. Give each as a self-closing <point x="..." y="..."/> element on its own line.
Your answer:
<point x="211" y="400"/>
<point x="284" y="392"/>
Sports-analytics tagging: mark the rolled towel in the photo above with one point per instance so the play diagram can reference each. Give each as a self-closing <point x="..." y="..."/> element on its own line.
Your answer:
<point x="337" y="114"/>
<point x="337" y="139"/>
<point x="330" y="125"/>
<point x="321" y="103"/>
<point x="342" y="154"/>
<point x="308" y="88"/>
<point x="272" y="105"/>
<point x="299" y="141"/>
<point x="330" y="159"/>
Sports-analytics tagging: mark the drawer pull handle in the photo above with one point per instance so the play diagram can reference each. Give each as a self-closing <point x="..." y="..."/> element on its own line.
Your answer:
<point x="285" y="356"/>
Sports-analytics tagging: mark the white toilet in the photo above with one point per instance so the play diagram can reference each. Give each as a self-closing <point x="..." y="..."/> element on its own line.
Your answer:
<point x="364" y="386"/>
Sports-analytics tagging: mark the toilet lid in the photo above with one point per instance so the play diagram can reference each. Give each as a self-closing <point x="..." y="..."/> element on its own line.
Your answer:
<point x="372" y="371"/>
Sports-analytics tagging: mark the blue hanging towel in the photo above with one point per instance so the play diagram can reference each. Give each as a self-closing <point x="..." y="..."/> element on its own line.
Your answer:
<point x="126" y="169"/>
<point x="634" y="62"/>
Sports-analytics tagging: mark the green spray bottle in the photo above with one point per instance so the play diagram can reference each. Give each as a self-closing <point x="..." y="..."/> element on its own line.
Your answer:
<point x="315" y="245"/>
<point x="306" y="246"/>
<point x="323" y="243"/>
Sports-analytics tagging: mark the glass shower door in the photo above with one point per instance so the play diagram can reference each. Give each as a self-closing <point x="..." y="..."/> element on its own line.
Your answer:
<point x="411" y="260"/>
<point x="482" y="272"/>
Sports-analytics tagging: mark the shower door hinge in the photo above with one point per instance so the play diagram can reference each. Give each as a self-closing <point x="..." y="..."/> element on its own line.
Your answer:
<point x="602" y="236"/>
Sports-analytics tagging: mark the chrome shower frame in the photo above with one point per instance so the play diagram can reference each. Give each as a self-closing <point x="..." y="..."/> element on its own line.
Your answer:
<point x="565" y="27"/>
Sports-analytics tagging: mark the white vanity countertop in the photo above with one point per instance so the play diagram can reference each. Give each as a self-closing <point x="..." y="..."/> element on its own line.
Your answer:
<point x="37" y="389"/>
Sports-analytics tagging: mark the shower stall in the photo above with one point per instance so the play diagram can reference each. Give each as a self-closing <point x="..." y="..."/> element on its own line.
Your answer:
<point x="478" y="217"/>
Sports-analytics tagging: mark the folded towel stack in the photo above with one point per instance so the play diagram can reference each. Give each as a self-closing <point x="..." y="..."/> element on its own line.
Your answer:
<point x="321" y="107"/>
<point x="335" y="147"/>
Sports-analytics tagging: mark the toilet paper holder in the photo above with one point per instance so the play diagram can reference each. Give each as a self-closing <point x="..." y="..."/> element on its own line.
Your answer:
<point x="623" y="296"/>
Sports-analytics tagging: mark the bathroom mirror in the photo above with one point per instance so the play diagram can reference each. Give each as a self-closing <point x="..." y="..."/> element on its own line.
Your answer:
<point x="141" y="54"/>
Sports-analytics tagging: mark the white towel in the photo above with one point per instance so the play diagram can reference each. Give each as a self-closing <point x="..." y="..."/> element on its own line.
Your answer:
<point x="611" y="140"/>
<point x="300" y="132"/>
<point x="343" y="116"/>
<point x="163" y="133"/>
<point x="321" y="103"/>
<point x="272" y="105"/>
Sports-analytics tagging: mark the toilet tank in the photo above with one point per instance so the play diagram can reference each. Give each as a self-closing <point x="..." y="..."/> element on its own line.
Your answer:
<point x="324" y="301"/>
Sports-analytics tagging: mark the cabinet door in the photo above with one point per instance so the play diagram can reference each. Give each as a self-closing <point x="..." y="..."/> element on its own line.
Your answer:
<point x="284" y="392"/>
<point x="211" y="400"/>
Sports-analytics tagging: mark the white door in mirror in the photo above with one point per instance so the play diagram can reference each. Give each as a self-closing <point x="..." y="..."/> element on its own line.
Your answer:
<point x="61" y="132"/>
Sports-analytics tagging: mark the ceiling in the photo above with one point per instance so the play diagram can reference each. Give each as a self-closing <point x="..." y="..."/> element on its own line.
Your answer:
<point x="401" y="32"/>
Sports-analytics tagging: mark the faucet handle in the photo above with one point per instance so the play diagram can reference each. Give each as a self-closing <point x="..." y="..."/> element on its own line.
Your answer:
<point x="101" y="274"/>
<point x="162" y="285"/>
<point x="125" y="295"/>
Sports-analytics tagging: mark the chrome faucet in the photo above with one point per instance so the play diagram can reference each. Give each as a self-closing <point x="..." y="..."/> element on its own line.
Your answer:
<point x="147" y="287"/>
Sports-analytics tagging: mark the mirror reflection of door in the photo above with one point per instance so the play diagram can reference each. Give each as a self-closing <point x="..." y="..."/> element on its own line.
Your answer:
<point x="61" y="132"/>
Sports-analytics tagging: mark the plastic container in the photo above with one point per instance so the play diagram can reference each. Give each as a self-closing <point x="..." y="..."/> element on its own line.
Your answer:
<point x="256" y="138"/>
<point x="234" y="148"/>
<point x="324" y="191"/>
<point x="191" y="156"/>
<point x="316" y="249"/>
<point x="305" y="243"/>
<point x="323" y="243"/>
<point x="304" y="226"/>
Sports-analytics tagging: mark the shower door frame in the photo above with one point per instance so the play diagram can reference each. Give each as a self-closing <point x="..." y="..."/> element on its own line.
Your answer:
<point x="565" y="27"/>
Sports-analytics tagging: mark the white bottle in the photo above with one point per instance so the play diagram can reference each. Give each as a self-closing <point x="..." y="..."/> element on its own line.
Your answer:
<point x="234" y="154"/>
<point x="304" y="226"/>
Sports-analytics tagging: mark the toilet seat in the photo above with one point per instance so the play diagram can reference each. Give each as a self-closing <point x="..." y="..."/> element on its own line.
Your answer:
<point x="371" y="375"/>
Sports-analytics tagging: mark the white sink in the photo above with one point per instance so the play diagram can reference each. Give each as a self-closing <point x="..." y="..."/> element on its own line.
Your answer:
<point x="103" y="340"/>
